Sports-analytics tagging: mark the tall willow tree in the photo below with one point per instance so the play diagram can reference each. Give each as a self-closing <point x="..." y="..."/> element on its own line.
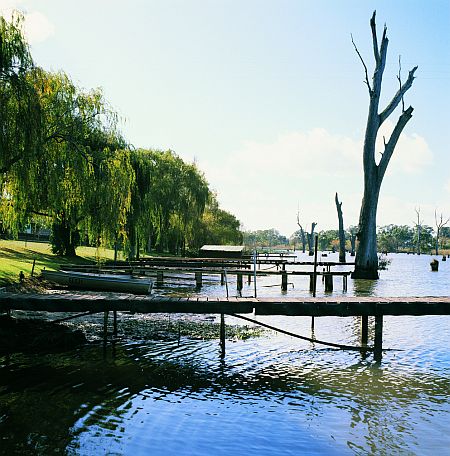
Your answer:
<point x="79" y="178"/>
<point x="20" y="111"/>
<point x="167" y="199"/>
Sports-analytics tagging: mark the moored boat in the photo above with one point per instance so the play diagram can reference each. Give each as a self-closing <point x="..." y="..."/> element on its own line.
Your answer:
<point x="99" y="282"/>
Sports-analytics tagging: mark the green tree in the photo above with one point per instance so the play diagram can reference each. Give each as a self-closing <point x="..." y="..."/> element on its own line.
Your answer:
<point x="20" y="110"/>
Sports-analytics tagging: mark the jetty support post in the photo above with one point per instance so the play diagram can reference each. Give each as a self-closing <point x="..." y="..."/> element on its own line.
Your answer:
<point x="115" y="323"/>
<point x="378" y="342"/>
<point x="284" y="278"/>
<point x="222" y="335"/>
<point x="105" y="326"/>
<point x="316" y="240"/>
<point x="239" y="285"/>
<point x="344" y="282"/>
<point x="328" y="282"/>
<point x="159" y="278"/>
<point x="222" y="278"/>
<point x="364" y="329"/>
<point x="198" y="279"/>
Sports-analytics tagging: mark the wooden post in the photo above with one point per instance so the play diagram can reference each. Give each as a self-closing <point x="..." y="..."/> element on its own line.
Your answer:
<point x="344" y="283"/>
<point x="222" y="335"/>
<point x="32" y="269"/>
<point x="254" y="270"/>
<point x="311" y="282"/>
<point x="364" y="329"/>
<point x="378" y="342"/>
<point x="105" y="326"/>
<point x="284" y="281"/>
<point x="198" y="279"/>
<point x="328" y="282"/>
<point x="159" y="278"/>
<point x="249" y="279"/>
<point x="316" y="239"/>
<point x="239" y="281"/>
<point x="115" y="322"/>
<point x="222" y="278"/>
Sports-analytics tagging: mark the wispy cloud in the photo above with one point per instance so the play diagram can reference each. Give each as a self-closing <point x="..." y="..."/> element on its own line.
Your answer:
<point x="37" y="27"/>
<point x="306" y="168"/>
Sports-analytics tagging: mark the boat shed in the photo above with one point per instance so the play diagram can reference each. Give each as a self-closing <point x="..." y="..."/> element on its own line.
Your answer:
<point x="221" y="251"/>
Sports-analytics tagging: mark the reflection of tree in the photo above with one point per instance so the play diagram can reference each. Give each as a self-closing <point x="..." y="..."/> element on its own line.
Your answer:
<point x="364" y="287"/>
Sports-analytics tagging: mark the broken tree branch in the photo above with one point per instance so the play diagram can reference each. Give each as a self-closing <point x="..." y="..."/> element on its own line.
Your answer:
<point x="364" y="65"/>
<point x="398" y="96"/>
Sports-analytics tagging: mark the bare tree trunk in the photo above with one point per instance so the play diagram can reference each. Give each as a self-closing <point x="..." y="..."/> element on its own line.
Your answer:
<point x="341" y="230"/>
<point x="439" y="225"/>
<point x="302" y="232"/>
<point x="366" y="261"/>
<point x="311" y="239"/>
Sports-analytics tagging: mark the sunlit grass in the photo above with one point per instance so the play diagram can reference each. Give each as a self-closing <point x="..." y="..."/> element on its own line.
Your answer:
<point x="16" y="256"/>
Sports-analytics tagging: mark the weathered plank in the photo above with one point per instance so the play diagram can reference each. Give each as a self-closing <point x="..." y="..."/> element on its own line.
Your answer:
<point x="327" y="306"/>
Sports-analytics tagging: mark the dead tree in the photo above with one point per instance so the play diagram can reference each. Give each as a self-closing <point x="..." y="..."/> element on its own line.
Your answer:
<point x="419" y="229"/>
<point x="311" y="239"/>
<point x="353" y="231"/>
<point x="366" y="261"/>
<point x="440" y="223"/>
<point x="341" y="230"/>
<point x="302" y="233"/>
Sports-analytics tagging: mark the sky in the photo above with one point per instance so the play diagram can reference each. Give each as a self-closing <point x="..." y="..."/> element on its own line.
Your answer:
<point x="267" y="97"/>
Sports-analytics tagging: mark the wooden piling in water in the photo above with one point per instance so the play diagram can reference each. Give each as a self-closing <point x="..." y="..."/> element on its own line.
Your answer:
<point x="198" y="279"/>
<point x="159" y="278"/>
<point x="364" y="329"/>
<point x="115" y="322"/>
<point x="222" y="278"/>
<point x="328" y="282"/>
<point x="222" y="335"/>
<point x="284" y="281"/>
<point x="239" y="285"/>
<point x="105" y="326"/>
<point x="378" y="342"/>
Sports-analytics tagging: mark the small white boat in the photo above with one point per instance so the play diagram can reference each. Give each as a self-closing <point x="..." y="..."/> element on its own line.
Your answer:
<point x="100" y="282"/>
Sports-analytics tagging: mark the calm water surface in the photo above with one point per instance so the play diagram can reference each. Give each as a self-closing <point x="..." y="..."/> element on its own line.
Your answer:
<point x="271" y="395"/>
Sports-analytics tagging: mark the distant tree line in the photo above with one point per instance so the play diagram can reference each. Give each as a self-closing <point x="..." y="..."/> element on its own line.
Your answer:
<point x="264" y="238"/>
<point x="64" y="164"/>
<point x="390" y="238"/>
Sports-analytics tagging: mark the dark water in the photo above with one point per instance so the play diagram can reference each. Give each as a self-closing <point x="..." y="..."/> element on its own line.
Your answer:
<point x="271" y="395"/>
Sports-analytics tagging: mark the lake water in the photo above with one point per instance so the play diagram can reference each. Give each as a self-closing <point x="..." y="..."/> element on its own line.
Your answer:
<point x="271" y="395"/>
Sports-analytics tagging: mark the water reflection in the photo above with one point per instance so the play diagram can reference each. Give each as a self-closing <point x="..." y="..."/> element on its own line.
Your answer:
<point x="61" y="401"/>
<point x="364" y="287"/>
<point x="270" y="395"/>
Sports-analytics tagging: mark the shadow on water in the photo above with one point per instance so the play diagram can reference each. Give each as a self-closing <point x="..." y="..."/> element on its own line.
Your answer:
<point x="49" y="402"/>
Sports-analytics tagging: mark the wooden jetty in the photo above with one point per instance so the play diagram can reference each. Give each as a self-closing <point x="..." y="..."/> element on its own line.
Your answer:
<point x="363" y="307"/>
<point x="159" y="267"/>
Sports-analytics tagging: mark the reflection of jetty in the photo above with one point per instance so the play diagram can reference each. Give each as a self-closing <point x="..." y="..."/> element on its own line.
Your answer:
<point x="314" y="307"/>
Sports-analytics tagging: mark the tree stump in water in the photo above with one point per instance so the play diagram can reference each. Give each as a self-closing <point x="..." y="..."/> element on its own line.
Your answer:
<point x="434" y="265"/>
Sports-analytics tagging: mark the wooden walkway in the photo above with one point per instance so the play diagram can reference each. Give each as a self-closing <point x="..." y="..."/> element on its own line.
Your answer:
<point x="317" y="307"/>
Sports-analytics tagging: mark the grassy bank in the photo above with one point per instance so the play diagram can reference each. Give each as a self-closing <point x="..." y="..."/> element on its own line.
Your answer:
<point x="16" y="256"/>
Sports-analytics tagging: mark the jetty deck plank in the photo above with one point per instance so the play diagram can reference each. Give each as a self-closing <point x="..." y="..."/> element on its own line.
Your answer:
<point x="323" y="306"/>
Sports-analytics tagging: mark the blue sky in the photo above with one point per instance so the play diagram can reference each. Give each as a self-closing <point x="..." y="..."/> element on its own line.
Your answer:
<point x="267" y="96"/>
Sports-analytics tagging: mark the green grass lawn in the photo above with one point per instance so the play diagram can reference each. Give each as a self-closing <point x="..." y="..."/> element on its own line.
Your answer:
<point x="16" y="256"/>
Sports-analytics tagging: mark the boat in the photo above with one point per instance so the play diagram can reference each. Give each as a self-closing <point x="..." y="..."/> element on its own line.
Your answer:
<point x="100" y="282"/>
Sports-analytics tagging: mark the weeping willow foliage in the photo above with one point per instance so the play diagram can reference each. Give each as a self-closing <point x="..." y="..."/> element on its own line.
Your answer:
<point x="20" y="110"/>
<point x="168" y="197"/>
<point x="64" y="163"/>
